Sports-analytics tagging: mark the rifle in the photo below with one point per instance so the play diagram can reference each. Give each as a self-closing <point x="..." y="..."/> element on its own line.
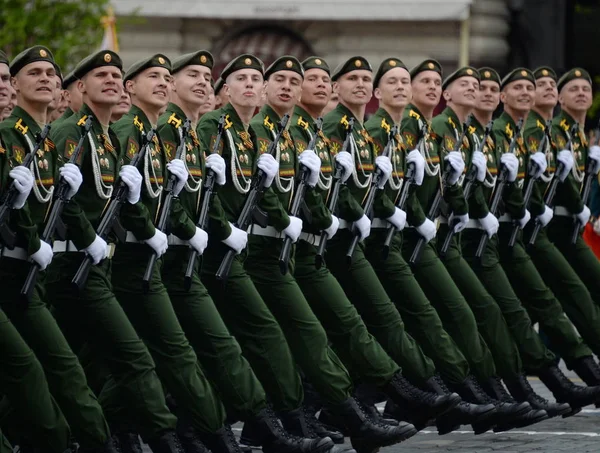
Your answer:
<point x="500" y="183"/>
<point x="284" y="256"/>
<point x="470" y="180"/>
<point x="530" y="183"/>
<point x="110" y="219"/>
<point x="7" y="236"/>
<point x="54" y="223"/>
<point x="335" y="193"/>
<point x="208" y="190"/>
<point x="257" y="189"/>
<point x="433" y="210"/>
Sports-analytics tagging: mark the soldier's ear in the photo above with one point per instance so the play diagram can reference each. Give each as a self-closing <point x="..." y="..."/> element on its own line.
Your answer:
<point x="14" y="83"/>
<point x="336" y="87"/>
<point x="502" y="97"/>
<point x="80" y="86"/>
<point x="447" y="96"/>
<point x="130" y="86"/>
<point x="377" y="94"/>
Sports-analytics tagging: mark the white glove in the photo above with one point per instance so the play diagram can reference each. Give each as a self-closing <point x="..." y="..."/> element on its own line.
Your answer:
<point x="384" y="164"/>
<point x="540" y="166"/>
<point x="427" y="229"/>
<point x="237" y="240"/>
<point x="565" y="157"/>
<point x="363" y="225"/>
<point x="217" y="164"/>
<point x="159" y="242"/>
<point x="269" y="166"/>
<point x="177" y="168"/>
<point x="43" y="257"/>
<point x="489" y="224"/>
<point x="523" y="221"/>
<point x="596" y="227"/>
<point x="132" y="178"/>
<point x="199" y="240"/>
<point x="294" y="229"/>
<point x="72" y="175"/>
<point x="333" y="228"/>
<point x="457" y="165"/>
<point x="479" y="161"/>
<point x="398" y="219"/>
<point x="511" y="163"/>
<point x="97" y="250"/>
<point x="23" y="181"/>
<point x="311" y="161"/>
<point x="584" y="216"/>
<point x="415" y="158"/>
<point x="547" y="215"/>
<point x="461" y="224"/>
<point x="594" y="154"/>
<point x="344" y="158"/>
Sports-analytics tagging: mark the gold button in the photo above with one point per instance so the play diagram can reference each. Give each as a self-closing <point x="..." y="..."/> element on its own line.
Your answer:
<point x="203" y="59"/>
<point x="289" y="64"/>
<point x="161" y="60"/>
<point x="248" y="61"/>
<point x="43" y="53"/>
<point x="107" y="57"/>
<point x="357" y="63"/>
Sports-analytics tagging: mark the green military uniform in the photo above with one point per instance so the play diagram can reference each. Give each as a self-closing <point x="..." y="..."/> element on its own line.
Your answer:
<point x="94" y="313"/>
<point x="152" y="313"/>
<point x="37" y="325"/>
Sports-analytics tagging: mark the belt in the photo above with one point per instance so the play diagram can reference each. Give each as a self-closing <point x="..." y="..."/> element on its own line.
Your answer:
<point x="68" y="246"/>
<point x="313" y="239"/>
<point x="379" y="223"/>
<point x="344" y="224"/>
<point x="174" y="240"/>
<point x="267" y="231"/>
<point x="561" y="211"/>
<point x="473" y="224"/>
<point x="131" y="238"/>
<point x="17" y="253"/>
<point x="505" y="218"/>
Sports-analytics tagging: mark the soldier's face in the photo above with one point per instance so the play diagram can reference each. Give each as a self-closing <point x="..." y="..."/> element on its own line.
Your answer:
<point x="576" y="96"/>
<point x="151" y="87"/>
<point x="209" y="104"/>
<point x="244" y="87"/>
<point x="463" y="92"/>
<point x="75" y="97"/>
<point x="316" y="88"/>
<point x="101" y="86"/>
<point x="35" y="82"/>
<point x="5" y="88"/>
<point x="519" y="95"/>
<point x="489" y="96"/>
<point x="394" y="88"/>
<point x="192" y="84"/>
<point x="546" y="94"/>
<point x="57" y="94"/>
<point x="355" y="87"/>
<point x="221" y="99"/>
<point x="11" y="104"/>
<point x="427" y="89"/>
<point x="122" y="107"/>
<point x="283" y="90"/>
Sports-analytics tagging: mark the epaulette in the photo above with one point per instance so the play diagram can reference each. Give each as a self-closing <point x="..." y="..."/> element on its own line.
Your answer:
<point x="137" y="123"/>
<point x="19" y="126"/>
<point x="175" y="120"/>
<point x="508" y="130"/>
<point x="228" y="122"/>
<point x="386" y="126"/>
<point x="302" y="123"/>
<point x="413" y="114"/>
<point x="541" y="125"/>
<point x="268" y="124"/>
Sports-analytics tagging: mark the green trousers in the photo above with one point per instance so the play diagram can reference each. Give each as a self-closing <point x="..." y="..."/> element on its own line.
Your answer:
<point x="362" y="354"/>
<point x="94" y="315"/>
<point x="538" y="299"/>
<point x="421" y="319"/>
<point x="254" y="327"/>
<point x="65" y="375"/>
<point x="534" y="354"/>
<point x="23" y="382"/>
<point x="219" y="354"/>
<point x="303" y="331"/>
<point x="155" y="321"/>
<point x="452" y="307"/>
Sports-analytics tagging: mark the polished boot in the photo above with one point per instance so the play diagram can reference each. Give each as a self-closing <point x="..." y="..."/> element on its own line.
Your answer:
<point x="221" y="441"/>
<point x="110" y="446"/>
<point x="521" y="390"/>
<point x="588" y="370"/>
<point x="168" y="442"/>
<point x="191" y="439"/>
<point x="565" y="391"/>
<point x="128" y="442"/>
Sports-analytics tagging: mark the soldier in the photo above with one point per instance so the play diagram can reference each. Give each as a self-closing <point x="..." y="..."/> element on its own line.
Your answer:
<point x="12" y="96"/>
<point x="72" y="95"/>
<point x="121" y="108"/>
<point x="58" y="105"/>
<point x="93" y="313"/>
<point x="210" y="103"/>
<point x="221" y="96"/>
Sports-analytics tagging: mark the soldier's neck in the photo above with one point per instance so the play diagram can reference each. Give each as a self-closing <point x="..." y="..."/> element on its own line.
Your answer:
<point x="516" y="114"/>
<point x="244" y="112"/>
<point x="577" y="116"/>
<point x="281" y="112"/>
<point x="35" y="110"/>
<point x="394" y="112"/>
<point x="426" y="111"/>
<point x="358" y="111"/>
<point x="461" y="111"/>
<point x="314" y="111"/>
<point x="482" y="116"/>
<point x="102" y="112"/>
<point x="192" y="111"/>
<point x="544" y="113"/>
<point x="151" y="112"/>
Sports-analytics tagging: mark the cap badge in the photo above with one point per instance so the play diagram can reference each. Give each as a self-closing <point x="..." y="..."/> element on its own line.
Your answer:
<point x="487" y="74"/>
<point x="470" y="71"/>
<point x="289" y="64"/>
<point x="43" y="53"/>
<point x="357" y="63"/>
<point x="577" y="73"/>
<point x="247" y="61"/>
<point x="107" y="57"/>
<point x="392" y="63"/>
<point x="524" y="73"/>
<point x="318" y="61"/>
<point x="544" y="72"/>
<point x="203" y="59"/>
<point x="161" y="60"/>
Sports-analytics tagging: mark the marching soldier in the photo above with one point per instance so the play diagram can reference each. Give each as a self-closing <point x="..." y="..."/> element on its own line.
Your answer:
<point x="73" y="97"/>
<point x="121" y="108"/>
<point x="221" y="96"/>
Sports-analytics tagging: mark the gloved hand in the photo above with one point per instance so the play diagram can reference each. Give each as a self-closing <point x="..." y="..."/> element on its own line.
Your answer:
<point x="540" y="166"/>
<point x="269" y="166"/>
<point x="511" y="163"/>
<point x="294" y="229"/>
<point x="43" y="257"/>
<point x="415" y="158"/>
<point x="133" y="180"/>
<point x="565" y="157"/>
<point x="159" y="242"/>
<point x="237" y="240"/>
<point x="97" y="250"/>
<point x="480" y="163"/>
<point x="344" y="158"/>
<point x="199" y="240"/>
<point x="311" y="161"/>
<point x="333" y="228"/>
<point x="457" y="165"/>
<point x="523" y="221"/>
<point x="398" y="219"/>
<point x="177" y="168"/>
<point x="23" y="181"/>
<point x="594" y="154"/>
<point x="596" y="226"/>
<point x="545" y="217"/>
<point x="363" y="225"/>
<point x="427" y="229"/>
<point x="217" y="164"/>
<point x="584" y="216"/>
<point x="384" y="164"/>
<point x="489" y="224"/>
<point x="461" y="224"/>
<point x="72" y="176"/>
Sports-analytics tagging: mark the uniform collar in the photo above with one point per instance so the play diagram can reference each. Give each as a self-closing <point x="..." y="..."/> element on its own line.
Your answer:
<point x="453" y="119"/>
<point x="232" y="117"/>
<point x="304" y="115"/>
<point x="19" y="113"/>
<point x="174" y="108"/>
<point x="86" y="110"/>
<point x="341" y="110"/>
<point x="134" y="112"/>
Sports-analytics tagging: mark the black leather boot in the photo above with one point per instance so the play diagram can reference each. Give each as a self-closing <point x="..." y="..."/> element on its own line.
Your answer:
<point x="565" y="391"/>
<point x="110" y="446"/>
<point x="128" y="442"/>
<point x="222" y="441"/>
<point x="588" y="369"/>
<point x="191" y="439"/>
<point x="521" y="390"/>
<point x="168" y="442"/>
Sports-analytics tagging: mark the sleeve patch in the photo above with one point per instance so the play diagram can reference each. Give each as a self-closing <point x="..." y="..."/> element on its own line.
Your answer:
<point x="70" y="146"/>
<point x="213" y="139"/>
<point x="263" y="145"/>
<point x="132" y="147"/>
<point x="170" y="149"/>
<point x="410" y="139"/>
<point x="18" y="154"/>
